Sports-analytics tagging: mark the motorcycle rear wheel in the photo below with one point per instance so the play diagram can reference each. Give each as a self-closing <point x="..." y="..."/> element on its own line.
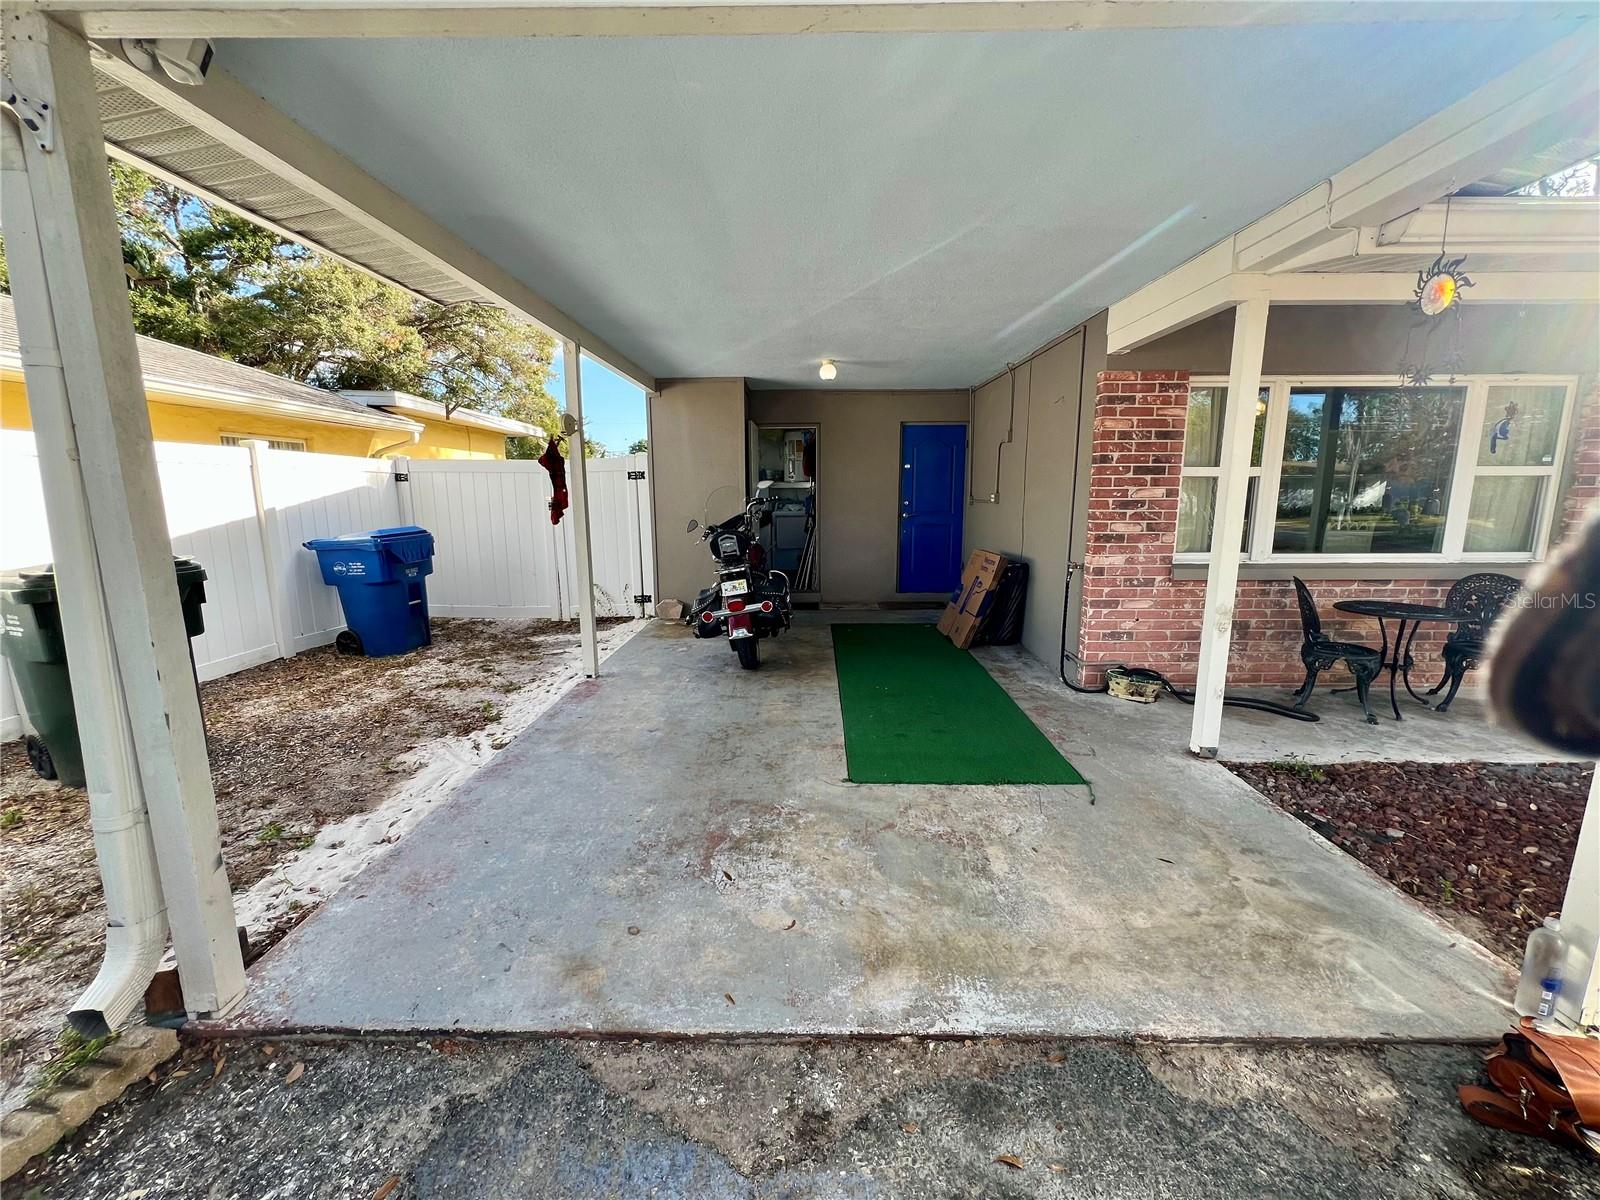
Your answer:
<point x="749" y="652"/>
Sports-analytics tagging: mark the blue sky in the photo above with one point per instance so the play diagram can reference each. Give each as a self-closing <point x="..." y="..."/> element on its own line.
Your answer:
<point x="613" y="408"/>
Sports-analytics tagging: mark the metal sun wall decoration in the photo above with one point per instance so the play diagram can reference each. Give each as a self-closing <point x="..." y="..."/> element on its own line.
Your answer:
<point x="1437" y="296"/>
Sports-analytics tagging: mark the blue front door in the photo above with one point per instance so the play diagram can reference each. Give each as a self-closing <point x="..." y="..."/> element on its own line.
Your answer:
<point x="933" y="480"/>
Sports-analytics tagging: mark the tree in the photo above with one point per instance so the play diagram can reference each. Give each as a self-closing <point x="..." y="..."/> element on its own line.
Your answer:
<point x="203" y="277"/>
<point x="1580" y="179"/>
<point x="639" y="447"/>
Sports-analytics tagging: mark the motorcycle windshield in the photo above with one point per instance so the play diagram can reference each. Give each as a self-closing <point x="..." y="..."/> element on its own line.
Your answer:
<point x="723" y="504"/>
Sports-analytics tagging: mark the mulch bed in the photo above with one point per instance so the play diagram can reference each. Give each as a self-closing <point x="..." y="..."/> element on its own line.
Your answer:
<point x="1486" y="846"/>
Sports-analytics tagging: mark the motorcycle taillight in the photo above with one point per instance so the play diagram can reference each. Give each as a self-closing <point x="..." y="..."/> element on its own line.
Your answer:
<point x="735" y="605"/>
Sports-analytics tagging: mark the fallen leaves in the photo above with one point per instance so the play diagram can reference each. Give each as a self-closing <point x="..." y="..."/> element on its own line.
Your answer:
<point x="1056" y="1057"/>
<point x="294" y="1073"/>
<point x="633" y="931"/>
<point x="1056" y="1168"/>
<point x="911" y="1127"/>
<point x="791" y="925"/>
<point x="1009" y="1160"/>
<point x="387" y="1186"/>
<point x="728" y="877"/>
<point x="728" y="996"/>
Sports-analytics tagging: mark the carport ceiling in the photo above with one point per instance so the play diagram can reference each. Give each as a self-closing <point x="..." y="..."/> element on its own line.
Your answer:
<point x="921" y="208"/>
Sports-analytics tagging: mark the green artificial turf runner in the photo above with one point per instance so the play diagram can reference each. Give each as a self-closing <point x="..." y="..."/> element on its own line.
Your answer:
<point x="917" y="710"/>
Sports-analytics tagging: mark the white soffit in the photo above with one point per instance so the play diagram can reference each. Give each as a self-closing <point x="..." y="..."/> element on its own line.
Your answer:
<point x="920" y="208"/>
<point x="139" y="131"/>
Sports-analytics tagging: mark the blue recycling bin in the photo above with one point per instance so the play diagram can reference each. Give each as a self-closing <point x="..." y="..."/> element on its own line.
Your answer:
<point x="382" y="582"/>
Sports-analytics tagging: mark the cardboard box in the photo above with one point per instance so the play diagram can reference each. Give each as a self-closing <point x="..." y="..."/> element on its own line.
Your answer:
<point x="965" y="613"/>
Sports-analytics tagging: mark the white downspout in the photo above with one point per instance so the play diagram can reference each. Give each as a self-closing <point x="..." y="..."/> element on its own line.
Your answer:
<point x="136" y="919"/>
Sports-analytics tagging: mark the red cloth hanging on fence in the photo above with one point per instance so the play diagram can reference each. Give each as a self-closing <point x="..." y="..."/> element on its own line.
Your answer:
<point x="552" y="461"/>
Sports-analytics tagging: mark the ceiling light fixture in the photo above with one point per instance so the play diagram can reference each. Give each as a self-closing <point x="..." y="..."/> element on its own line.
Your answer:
<point x="827" y="370"/>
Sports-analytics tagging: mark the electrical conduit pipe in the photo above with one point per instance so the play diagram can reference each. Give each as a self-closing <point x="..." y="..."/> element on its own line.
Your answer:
<point x="136" y="918"/>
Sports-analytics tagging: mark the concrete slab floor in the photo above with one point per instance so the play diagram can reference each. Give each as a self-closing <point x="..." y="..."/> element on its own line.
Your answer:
<point x="674" y="848"/>
<point x="851" y="1120"/>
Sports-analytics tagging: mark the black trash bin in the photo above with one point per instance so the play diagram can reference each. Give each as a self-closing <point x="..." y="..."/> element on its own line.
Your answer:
<point x="32" y="641"/>
<point x="1002" y="624"/>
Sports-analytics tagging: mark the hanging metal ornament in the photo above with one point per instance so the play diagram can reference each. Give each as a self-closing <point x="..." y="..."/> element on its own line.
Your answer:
<point x="1439" y="287"/>
<point x="1437" y="295"/>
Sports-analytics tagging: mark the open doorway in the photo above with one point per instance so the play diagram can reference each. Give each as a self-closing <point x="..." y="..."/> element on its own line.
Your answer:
<point x="783" y="466"/>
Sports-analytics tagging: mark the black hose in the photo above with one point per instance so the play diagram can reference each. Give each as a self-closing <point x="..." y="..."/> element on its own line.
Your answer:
<point x="1148" y="675"/>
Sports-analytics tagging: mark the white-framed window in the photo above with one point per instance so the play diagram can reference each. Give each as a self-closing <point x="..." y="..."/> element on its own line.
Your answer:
<point x="1363" y="469"/>
<point x="239" y="439"/>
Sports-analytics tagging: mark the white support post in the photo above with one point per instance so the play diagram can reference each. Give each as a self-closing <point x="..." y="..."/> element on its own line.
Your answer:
<point x="86" y="295"/>
<point x="402" y="482"/>
<point x="577" y="470"/>
<point x="1227" y="530"/>
<point x="1579" y="1004"/>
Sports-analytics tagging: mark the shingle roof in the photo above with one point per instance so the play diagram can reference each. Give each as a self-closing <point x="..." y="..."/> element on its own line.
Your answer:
<point x="178" y="366"/>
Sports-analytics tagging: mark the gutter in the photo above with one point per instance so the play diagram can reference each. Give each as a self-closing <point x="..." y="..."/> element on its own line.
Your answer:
<point x="136" y="915"/>
<point x="416" y="436"/>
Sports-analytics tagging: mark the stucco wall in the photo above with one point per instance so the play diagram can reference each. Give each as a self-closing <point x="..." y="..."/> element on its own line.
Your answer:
<point x="1370" y="339"/>
<point x="858" y="479"/>
<point x="697" y="444"/>
<point x="1024" y="508"/>
<point x="452" y="439"/>
<point x="173" y="421"/>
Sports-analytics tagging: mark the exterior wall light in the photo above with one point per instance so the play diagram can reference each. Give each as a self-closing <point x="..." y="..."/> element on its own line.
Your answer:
<point x="827" y="370"/>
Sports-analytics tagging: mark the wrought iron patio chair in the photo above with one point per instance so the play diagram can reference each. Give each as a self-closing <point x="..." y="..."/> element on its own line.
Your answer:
<point x="1484" y="595"/>
<point x="1321" y="653"/>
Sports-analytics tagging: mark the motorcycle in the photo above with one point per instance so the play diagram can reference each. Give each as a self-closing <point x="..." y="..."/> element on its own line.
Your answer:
<point x="749" y="601"/>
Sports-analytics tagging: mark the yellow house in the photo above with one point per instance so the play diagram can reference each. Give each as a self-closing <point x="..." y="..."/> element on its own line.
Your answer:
<point x="197" y="397"/>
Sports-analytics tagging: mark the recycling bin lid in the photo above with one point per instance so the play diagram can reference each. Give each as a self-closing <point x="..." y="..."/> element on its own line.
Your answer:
<point x="37" y="585"/>
<point x="371" y="540"/>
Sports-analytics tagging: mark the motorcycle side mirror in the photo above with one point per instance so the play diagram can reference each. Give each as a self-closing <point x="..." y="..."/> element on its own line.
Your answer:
<point x="693" y="525"/>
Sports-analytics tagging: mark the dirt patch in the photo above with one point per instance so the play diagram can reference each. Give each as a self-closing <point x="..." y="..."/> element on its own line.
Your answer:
<point x="295" y="745"/>
<point x="1486" y="846"/>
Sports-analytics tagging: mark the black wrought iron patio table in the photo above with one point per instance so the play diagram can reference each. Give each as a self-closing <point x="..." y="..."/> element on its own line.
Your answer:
<point x="1396" y="655"/>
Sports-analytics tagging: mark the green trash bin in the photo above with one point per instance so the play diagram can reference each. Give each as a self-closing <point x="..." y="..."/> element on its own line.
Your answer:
<point x="30" y="637"/>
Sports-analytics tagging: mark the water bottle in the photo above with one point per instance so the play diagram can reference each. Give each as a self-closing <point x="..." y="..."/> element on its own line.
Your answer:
<point x="1540" y="983"/>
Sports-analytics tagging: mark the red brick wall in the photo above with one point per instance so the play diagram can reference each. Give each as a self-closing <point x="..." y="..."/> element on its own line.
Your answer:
<point x="1585" y="490"/>
<point x="1135" y="612"/>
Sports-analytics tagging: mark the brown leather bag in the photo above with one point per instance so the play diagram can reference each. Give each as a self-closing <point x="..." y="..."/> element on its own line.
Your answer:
<point x="1544" y="1084"/>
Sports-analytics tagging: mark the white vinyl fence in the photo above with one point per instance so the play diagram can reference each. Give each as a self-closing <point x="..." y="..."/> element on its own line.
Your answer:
<point x="245" y="512"/>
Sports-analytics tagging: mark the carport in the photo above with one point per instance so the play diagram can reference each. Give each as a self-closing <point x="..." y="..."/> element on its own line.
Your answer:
<point x="920" y="194"/>
<point x="741" y="885"/>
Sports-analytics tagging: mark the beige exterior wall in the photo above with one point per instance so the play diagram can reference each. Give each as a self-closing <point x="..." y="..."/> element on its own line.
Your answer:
<point x="697" y="444"/>
<point x="1021" y="497"/>
<point x="1370" y="339"/>
<point x="858" y="479"/>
